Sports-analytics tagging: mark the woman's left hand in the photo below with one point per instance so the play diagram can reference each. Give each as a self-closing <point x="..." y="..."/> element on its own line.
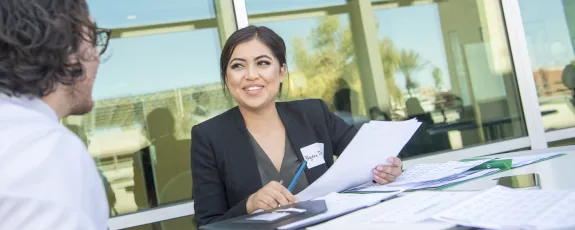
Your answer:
<point x="385" y="174"/>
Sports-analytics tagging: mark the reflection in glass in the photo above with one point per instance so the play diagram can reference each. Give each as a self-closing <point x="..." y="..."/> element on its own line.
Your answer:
<point x="149" y="92"/>
<point x="130" y="13"/>
<point x="550" y="34"/>
<point x="263" y="6"/>
<point x="446" y="64"/>
<point x="451" y="64"/>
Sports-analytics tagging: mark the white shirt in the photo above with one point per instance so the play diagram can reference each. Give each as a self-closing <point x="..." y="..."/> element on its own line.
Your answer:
<point x="48" y="180"/>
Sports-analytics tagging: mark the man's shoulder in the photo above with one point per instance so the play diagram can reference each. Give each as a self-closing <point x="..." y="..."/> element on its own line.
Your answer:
<point x="38" y="213"/>
<point x="51" y="164"/>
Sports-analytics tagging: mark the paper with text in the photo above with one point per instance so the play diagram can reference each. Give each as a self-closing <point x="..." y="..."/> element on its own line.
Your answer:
<point x="375" y="142"/>
<point x="559" y="216"/>
<point x="505" y="208"/>
<point x="313" y="154"/>
<point x="417" y="206"/>
<point x="434" y="171"/>
<point x="467" y="175"/>
<point x="519" y="161"/>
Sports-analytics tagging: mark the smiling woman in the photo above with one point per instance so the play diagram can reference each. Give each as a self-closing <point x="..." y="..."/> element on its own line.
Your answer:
<point x="254" y="52"/>
<point x="241" y="157"/>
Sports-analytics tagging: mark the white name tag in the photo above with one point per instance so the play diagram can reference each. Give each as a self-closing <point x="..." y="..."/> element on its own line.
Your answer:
<point x="313" y="154"/>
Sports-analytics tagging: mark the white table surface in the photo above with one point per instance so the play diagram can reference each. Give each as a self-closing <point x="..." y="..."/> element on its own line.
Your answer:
<point x="556" y="173"/>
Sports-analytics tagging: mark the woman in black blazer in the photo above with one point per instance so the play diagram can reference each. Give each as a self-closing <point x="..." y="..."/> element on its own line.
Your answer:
<point x="239" y="157"/>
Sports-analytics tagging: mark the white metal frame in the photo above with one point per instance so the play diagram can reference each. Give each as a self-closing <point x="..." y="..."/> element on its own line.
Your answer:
<point x="524" y="74"/>
<point x="241" y="13"/>
<point x="562" y="134"/>
<point x="536" y="139"/>
<point x="151" y="216"/>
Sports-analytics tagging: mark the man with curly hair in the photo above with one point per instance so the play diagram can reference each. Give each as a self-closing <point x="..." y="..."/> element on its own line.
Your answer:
<point x="49" y="54"/>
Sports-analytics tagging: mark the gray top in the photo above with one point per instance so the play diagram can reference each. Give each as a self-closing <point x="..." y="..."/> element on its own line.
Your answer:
<point x="289" y="167"/>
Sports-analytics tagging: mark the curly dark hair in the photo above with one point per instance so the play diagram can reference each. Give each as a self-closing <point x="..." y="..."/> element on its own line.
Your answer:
<point x="37" y="40"/>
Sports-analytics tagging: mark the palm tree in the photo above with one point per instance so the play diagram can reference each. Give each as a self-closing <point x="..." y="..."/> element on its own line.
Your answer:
<point x="437" y="78"/>
<point x="325" y="57"/>
<point x="390" y="62"/>
<point x="409" y="62"/>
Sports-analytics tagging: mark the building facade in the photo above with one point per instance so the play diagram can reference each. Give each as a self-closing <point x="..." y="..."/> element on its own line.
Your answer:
<point x="484" y="76"/>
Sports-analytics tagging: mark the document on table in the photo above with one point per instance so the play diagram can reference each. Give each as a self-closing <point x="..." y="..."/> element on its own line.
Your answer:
<point x="525" y="160"/>
<point x="430" y="176"/>
<point x="375" y="142"/>
<point x="505" y="208"/>
<point x="468" y="175"/>
<point x="559" y="216"/>
<point x="435" y="171"/>
<point x="417" y="206"/>
<point x="339" y="204"/>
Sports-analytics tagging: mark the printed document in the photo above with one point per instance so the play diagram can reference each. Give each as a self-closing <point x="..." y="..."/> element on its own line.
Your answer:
<point x="375" y="142"/>
<point x="525" y="160"/>
<point x="505" y="208"/>
<point x="423" y="176"/>
<point x="417" y="206"/>
<point x="435" y="171"/>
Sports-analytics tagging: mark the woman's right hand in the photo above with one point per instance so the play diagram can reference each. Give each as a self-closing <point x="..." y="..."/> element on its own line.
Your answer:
<point x="269" y="197"/>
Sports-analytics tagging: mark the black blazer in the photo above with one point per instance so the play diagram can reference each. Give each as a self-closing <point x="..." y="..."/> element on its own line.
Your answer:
<point x="224" y="168"/>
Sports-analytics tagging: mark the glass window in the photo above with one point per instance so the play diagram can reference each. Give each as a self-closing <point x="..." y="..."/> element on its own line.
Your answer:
<point x="151" y="88"/>
<point x="445" y="63"/>
<point x="264" y="6"/>
<point x="550" y="34"/>
<point x="452" y="65"/>
<point x="451" y="62"/>
<point x="566" y="142"/>
<point x="129" y="13"/>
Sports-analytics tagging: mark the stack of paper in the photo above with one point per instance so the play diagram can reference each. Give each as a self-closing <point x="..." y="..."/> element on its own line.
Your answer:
<point x="506" y="208"/>
<point x="430" y="176"/>
<point x="375" y="142"/>
<point x="525" y="160"/>
<point x="465" y="176"/>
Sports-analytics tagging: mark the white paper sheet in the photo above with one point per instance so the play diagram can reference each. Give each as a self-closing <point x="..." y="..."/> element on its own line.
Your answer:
<point x="559" y="216"/>
<point x="435" y="171"/>
<point x="505" y="208"/>
<point x="339" y="204"/>
<point x="459" y="178"/>
<point x="270" y="216"/>
<point x="525" y="160"/>
<point x="447" y="173"/>
<point x="419" y="206"/>
<point x="375" y="142"/>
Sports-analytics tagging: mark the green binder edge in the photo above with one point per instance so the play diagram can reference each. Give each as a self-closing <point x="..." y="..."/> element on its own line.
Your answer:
<point x="474" y="159"/>
<point x="492" y="164"/>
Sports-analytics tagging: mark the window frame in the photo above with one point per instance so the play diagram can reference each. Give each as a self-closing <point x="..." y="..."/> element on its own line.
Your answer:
<point x="536" y="137"/>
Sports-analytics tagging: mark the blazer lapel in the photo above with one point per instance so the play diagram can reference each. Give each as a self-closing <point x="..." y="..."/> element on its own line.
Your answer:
<point x="243" y="163"/>
<point x="301" y="134"/>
